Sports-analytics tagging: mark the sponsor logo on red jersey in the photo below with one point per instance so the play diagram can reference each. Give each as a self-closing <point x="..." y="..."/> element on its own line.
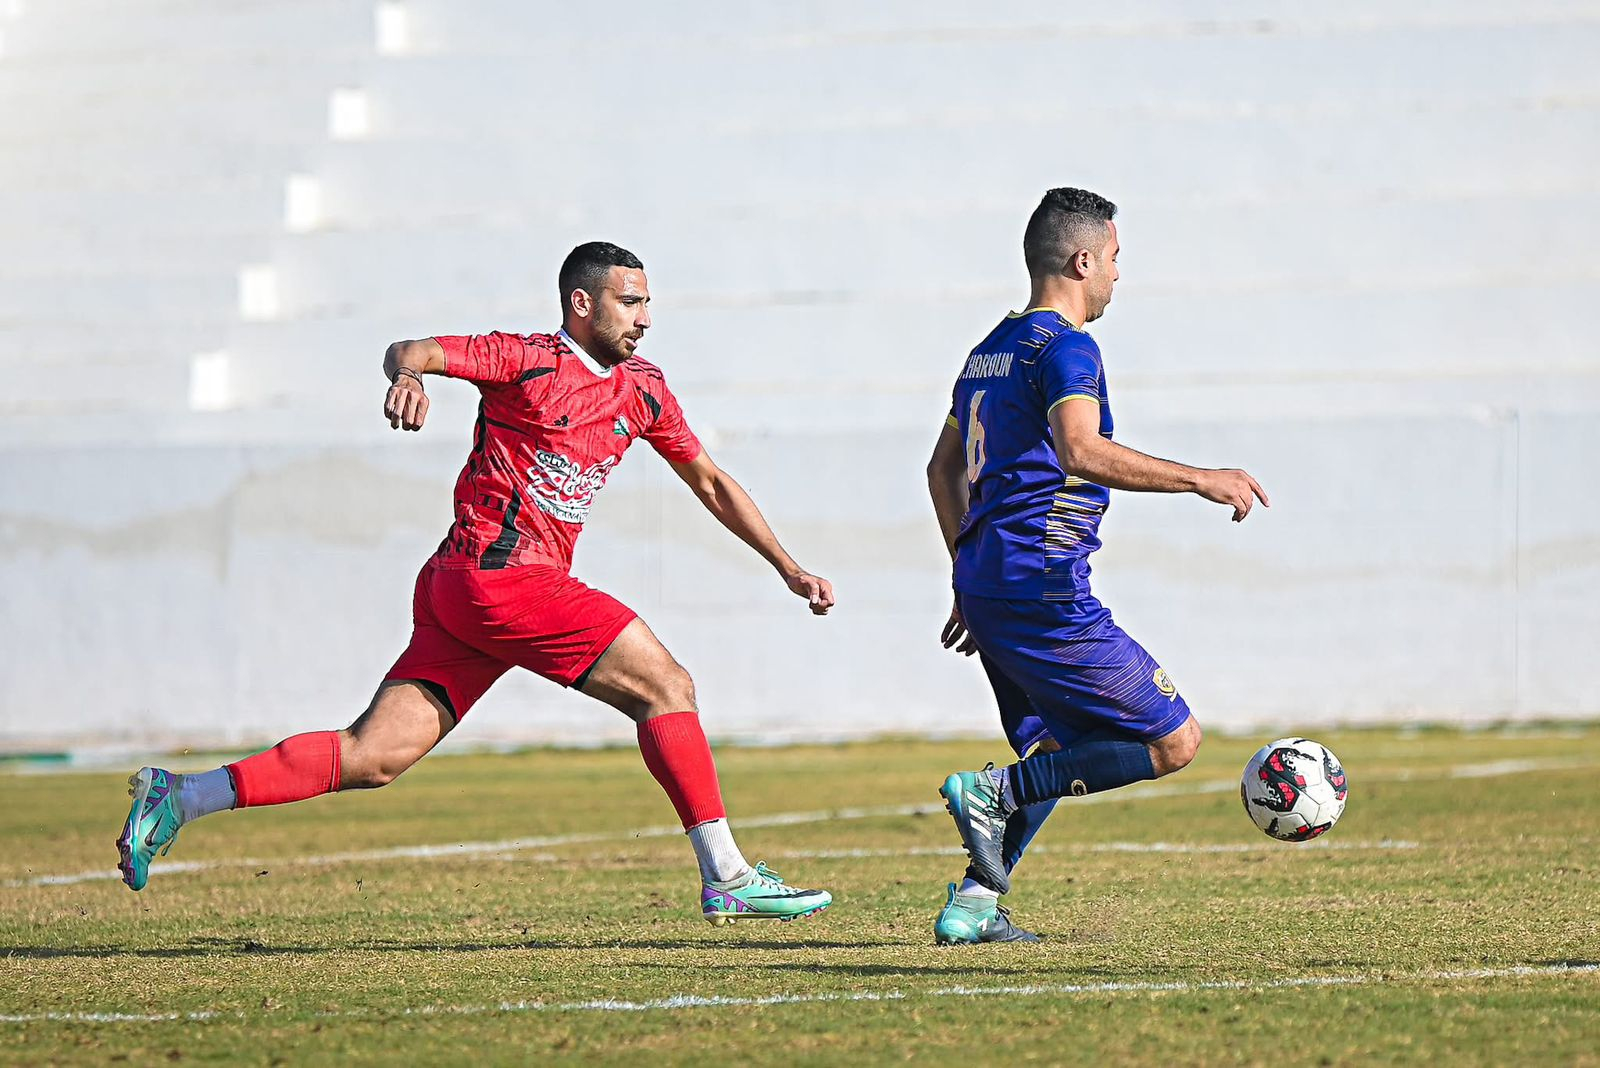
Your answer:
<point x="564" y="489"/>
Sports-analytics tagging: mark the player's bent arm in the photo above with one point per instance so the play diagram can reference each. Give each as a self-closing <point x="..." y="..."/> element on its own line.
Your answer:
<point x="405" y="404"/>
<point x="1084" y="453"/>
<point x="724" y="498"/>
<point x="424" y="356"/>
<point x="947" y="484"/>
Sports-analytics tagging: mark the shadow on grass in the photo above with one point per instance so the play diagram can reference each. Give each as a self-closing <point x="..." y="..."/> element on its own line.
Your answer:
<point x="238" y="947"/>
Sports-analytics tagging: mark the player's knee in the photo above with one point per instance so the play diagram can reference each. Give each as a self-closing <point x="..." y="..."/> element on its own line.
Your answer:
<point x="1175" y="751"/>
<point x="677" y="692"/>
<point x="367" y="766"/>
<point x="672" y="691"/>
<point x="372" y="774"/>
<point x="367" y="779"/>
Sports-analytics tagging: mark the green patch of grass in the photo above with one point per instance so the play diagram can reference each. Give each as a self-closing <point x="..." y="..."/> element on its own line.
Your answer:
<point x="1453" y="913"/>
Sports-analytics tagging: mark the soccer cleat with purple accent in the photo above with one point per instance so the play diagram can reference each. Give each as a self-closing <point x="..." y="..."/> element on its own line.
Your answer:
<point x="762" y="895"/>
<point x="152" y="826"/>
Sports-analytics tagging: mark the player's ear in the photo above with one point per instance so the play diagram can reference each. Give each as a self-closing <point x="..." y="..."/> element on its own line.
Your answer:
<point x="581" y="303"/>
<point x="1082" y="263"/>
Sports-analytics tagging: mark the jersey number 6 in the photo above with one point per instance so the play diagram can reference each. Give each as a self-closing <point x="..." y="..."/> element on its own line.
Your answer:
<point x="976" y="454"/>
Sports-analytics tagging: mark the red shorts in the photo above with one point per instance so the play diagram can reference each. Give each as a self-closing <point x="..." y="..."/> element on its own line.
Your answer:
<point x="471" y="627"/>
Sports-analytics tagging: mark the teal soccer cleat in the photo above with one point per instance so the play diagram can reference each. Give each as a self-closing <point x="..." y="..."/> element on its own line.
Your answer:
<point x="974" y="802"/>
<point x="152" y="825"/>
<point x="968" y="919"/>
<point x="765" y="896"/>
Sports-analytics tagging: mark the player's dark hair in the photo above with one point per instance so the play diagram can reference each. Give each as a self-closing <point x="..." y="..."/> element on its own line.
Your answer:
<point x="1065" y="221"/>
<point x="587" y="265"/>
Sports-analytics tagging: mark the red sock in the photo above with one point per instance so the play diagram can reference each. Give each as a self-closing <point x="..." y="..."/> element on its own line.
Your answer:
<point x="293" y="770"/>
<point x="677" y="753"/>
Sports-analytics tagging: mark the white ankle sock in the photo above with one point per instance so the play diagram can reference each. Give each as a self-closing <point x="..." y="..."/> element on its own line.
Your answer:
<point x="205" y="793"/>
<point x="970" y="888"/>
<point x="720" y="859"/>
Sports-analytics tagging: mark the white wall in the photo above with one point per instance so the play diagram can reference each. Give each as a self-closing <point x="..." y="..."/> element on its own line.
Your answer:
<point x="1360" y="251"/>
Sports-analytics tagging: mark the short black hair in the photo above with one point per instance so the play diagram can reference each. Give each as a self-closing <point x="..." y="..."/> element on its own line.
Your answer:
<point x="1066" y="220"/>
<point x="587" y="265"/>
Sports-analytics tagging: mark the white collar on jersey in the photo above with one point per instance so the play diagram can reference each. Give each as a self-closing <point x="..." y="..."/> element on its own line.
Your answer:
<point x="590" y="362"/>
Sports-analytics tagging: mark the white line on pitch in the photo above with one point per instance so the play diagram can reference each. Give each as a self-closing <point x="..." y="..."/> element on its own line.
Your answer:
<point x="1103" y="847"/>
<point x="699" y="1001"/>
<point x="780" y="819"/>
<point x="1317" y="845"/>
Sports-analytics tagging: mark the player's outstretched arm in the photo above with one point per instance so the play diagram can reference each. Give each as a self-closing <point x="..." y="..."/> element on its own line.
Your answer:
<point x="405" y="403"/>
<point x="727" y="500"/>
<point x="1075" y="426"/>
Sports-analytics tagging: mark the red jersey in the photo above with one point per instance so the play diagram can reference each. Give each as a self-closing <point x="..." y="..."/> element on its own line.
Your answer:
<point x="550" y="430"/>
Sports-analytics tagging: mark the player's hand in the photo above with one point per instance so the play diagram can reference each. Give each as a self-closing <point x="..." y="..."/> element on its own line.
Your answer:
<point x="819" y="591"/>
<point x="405" y="405"/>
<point x="1234" y="488"/>
<point x="956" y="631"/>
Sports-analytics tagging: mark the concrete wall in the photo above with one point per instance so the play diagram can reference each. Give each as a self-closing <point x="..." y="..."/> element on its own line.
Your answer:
<point x="1360" y="249"/>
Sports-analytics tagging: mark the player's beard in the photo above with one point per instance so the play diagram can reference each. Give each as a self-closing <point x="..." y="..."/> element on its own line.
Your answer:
<point x="614" y="339"/>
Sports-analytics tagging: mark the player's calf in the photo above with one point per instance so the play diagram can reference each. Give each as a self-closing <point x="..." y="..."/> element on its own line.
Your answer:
<point x="639" y="677"/>
<point x="403" y="722"/>
<point x="296" y="768"/>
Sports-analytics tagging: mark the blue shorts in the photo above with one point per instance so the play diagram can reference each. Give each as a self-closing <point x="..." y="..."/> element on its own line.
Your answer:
<point x="1063" y="669"/>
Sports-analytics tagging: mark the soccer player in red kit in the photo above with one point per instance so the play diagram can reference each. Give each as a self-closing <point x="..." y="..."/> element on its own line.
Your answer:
<point x="557" y="414"/>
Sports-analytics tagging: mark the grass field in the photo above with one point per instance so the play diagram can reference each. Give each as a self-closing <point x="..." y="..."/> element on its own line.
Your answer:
<point x="1454" y="913"/>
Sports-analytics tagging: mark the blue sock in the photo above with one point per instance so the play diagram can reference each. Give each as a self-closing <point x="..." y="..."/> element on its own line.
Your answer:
<point x="1096" y="762"/>
<point x="1020" y="829"/>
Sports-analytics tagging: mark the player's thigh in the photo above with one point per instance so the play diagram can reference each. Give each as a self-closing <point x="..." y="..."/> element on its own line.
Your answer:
<point x="1024" y="728"/>
<point x="438" y="659"/>
<point x="638" y="676"/>
<point x="406" y="719"/>
<point x="433" y="683"/>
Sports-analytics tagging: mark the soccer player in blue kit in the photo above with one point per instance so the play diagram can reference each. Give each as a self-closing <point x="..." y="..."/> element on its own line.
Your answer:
<point x="1020" y="478"/>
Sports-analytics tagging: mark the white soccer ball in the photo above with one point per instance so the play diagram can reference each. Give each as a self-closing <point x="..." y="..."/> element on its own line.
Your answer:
<point x="1294" y="789"/>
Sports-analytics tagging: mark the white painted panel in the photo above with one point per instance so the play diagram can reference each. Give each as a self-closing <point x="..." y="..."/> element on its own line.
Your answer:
<point x="1360" y="258"/>
<point x="1559" y="570"/>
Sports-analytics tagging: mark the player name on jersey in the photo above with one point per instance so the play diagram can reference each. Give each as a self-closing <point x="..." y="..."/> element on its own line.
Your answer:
<point x="988" y="365"/>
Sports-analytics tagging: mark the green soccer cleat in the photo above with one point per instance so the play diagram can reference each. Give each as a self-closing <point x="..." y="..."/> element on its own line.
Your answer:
<point x="968" y="919"/>
<point x="152" y="825"/>
<point x="764" y="896"/>
<point x="973" y="801"/>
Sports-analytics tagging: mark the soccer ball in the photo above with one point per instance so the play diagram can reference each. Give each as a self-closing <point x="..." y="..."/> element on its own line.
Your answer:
<point x="1294" y="789"/>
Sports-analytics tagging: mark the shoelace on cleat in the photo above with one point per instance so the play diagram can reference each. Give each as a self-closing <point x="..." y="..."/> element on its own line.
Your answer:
<point x="767" y="876"/>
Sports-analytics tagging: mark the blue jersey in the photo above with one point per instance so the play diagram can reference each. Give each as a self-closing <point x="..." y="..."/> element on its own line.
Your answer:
<point x="1029" y="527"/>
